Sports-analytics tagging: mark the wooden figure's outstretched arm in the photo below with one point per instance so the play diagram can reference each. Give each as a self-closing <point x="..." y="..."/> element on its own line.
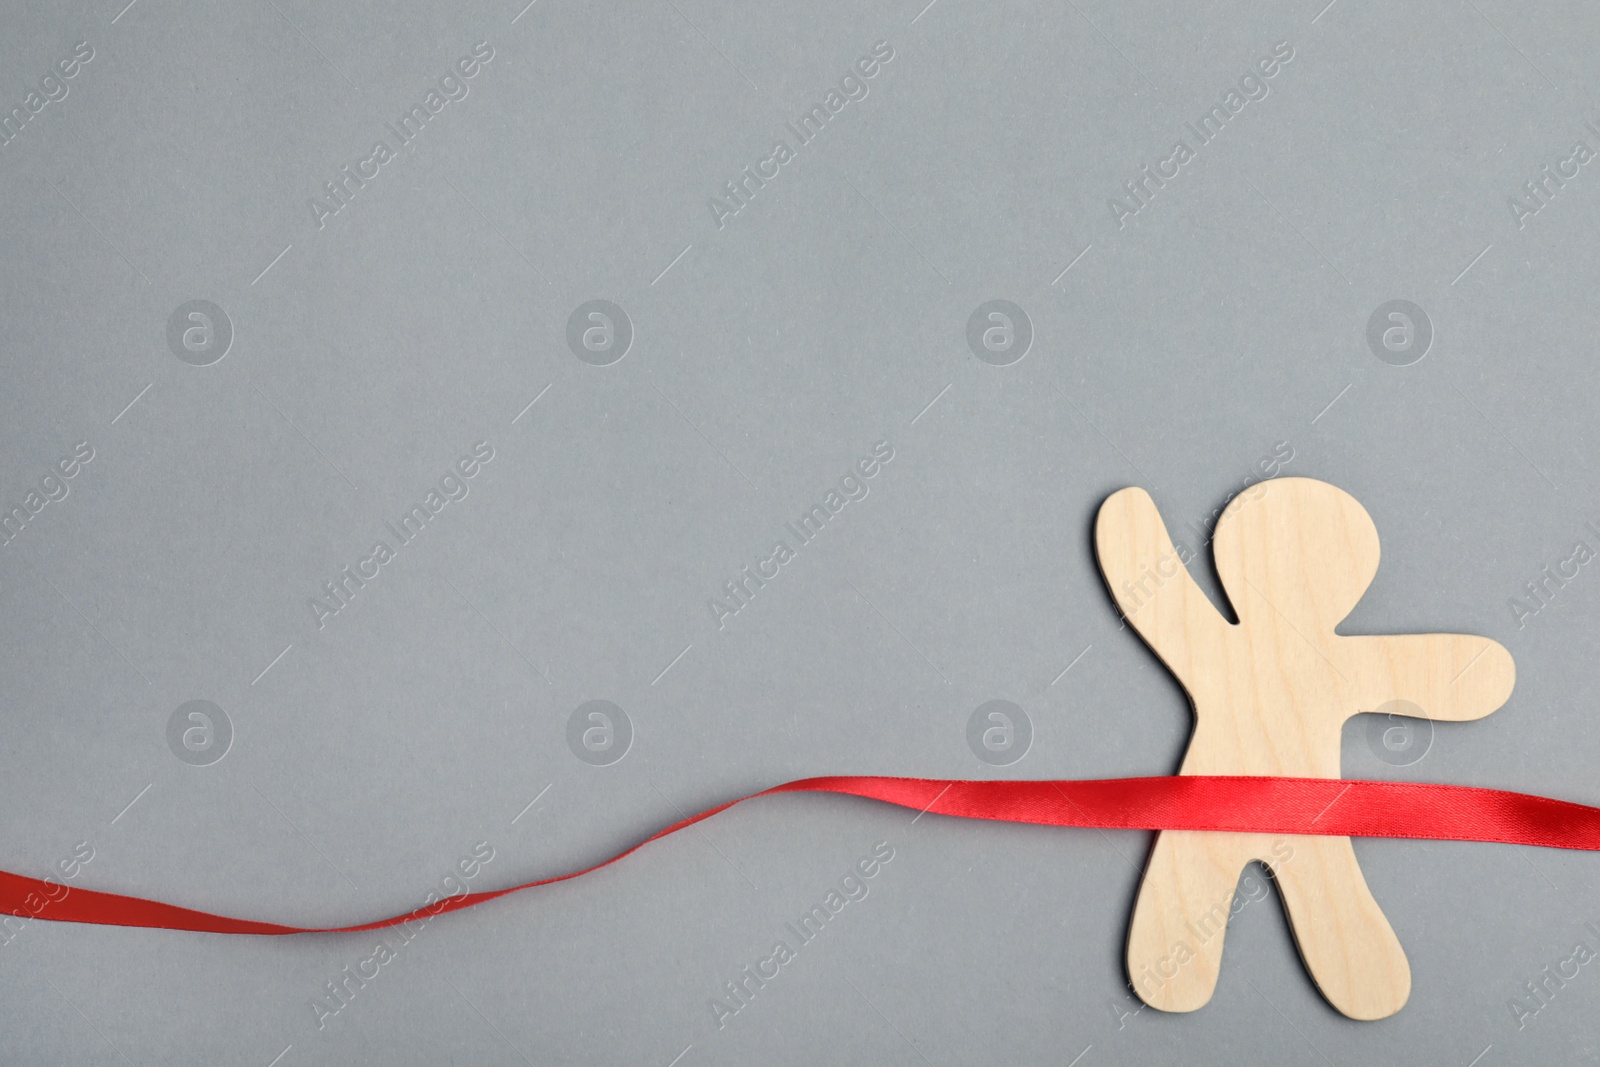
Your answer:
<point x="1154" y="589"/>
<point x="1454" y="677"/>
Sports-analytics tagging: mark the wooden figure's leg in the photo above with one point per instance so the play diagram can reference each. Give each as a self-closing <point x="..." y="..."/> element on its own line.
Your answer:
<point x="1175" y="939"/>
<point x="1345" y="940"/>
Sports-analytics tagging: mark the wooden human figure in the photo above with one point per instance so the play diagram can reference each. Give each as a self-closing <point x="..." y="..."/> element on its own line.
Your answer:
<point x="1270" y="696"/>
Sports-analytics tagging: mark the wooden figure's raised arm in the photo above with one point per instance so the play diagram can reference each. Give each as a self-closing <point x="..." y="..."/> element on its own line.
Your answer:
<point x="1138" y="561"/>
<point x="1451" y="677"/>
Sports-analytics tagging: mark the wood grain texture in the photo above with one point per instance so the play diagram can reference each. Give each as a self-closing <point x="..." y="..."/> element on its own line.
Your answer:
<point x="1270" y="695"/>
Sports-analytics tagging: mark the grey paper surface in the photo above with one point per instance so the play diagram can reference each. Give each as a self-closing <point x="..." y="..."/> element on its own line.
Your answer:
<point x="265" y="387"/>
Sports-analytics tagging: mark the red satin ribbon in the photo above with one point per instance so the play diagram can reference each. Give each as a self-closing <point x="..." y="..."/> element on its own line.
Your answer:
<point x="1317" y="806"/>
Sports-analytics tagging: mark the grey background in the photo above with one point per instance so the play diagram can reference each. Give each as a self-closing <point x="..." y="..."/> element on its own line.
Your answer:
<point x="370" y="755"/>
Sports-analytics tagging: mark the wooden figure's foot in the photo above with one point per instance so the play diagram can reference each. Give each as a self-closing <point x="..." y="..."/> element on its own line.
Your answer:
<point x="1345" y="940"/>
<point x="1175" y="940"/>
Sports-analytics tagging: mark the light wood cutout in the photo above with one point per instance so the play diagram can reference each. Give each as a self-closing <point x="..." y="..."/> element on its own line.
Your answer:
<point x="1270" y="695"/>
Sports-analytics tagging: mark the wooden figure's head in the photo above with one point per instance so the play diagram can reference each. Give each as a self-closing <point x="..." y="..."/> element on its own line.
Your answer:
<point x="1309" y="549"/>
